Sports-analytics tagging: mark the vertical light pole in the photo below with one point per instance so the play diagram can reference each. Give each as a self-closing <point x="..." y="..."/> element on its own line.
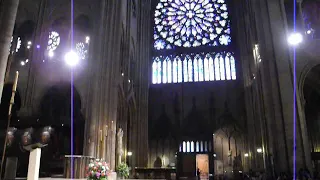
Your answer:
<point x="8" y="9"/>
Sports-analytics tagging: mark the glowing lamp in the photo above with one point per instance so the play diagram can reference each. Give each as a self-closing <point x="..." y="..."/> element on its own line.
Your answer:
<point x="71" y="58"/>
<point x="295" y="39"/>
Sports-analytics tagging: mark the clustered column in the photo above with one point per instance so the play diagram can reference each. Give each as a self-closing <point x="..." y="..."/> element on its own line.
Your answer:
<point x="104" y="76"/>
<point x="140" y="124"/>
<point x="269" y="87"/>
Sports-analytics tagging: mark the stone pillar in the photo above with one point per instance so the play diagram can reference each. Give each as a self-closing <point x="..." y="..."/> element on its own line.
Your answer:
<point x="277" y="86"/>
<point x="140" y="124"/>
<point x="8" y="15"/>
<point x="104" y="78"/>
<point x="40" y="37"/>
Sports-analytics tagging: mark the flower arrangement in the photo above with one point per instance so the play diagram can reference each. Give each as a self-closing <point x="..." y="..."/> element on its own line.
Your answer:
<point x="98" y="170"/>
<point x="123" y="170"/>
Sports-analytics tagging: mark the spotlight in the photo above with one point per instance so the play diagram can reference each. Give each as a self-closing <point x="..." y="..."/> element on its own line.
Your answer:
<point x="71" y="58"/>
<point x="246" y="155"/>
<point x="29" y="42"/>
<point x="309" y="31"/>
<point x="129" y="153"/>
<point x="22" y="63"/>
<point x="295" y="39"/>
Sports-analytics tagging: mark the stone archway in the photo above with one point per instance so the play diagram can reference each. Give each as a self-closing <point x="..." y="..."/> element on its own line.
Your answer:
<point x="311" y="93"/>
<point x="55" y="110"/>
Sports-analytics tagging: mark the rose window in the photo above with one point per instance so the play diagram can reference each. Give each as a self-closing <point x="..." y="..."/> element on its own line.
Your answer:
<point x="54" y="41"/>
<point x="191" y="23"/>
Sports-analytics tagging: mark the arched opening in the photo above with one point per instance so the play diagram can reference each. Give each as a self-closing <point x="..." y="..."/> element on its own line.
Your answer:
<point x="55" y="111"/>
<point x="83" y="24"/>
<point x="311" y="90"/>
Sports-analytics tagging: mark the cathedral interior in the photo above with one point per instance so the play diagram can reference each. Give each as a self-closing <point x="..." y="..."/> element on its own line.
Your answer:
<point x="223" y="86"/>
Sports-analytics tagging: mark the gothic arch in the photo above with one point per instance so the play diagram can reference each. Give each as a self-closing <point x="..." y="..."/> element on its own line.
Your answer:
<point x="302" y="77"/>
<point x="62" y="8"/>
<point x="83" y="24"/>
<point x="55" y="104"/>
<point x="26" y="29"/>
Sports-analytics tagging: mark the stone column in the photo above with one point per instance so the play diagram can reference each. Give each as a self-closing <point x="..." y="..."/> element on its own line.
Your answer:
<point x="104" y="78"/>
<point x="8" y="15"/>
<point x="245" y="39"/>
<point x="277" y="86"/>
<point x="140" y="124"/>
<point x="40" y="37"/>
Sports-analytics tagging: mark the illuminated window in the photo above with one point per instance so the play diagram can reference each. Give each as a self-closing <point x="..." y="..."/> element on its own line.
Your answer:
<point x="194" y="26"/>
<point x="81" y="50"/>
<point x="197" y="146"/>
<point x="54" y="41"/>
<point x="190" y="23"/>
<point x="18" y="44"/>
<point x="192" y="146"/>
<point x="213" y="67"/>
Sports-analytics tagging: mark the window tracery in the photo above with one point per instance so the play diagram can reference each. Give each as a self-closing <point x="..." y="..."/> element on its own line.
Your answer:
<point x="81" y="50"/>
<point x="213" y="67"/>
<point x="53" y="41"/>
<point x="189" y="24"/>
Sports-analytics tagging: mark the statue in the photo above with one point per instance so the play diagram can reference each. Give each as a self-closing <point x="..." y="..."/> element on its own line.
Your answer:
<point x="120" y="149"/>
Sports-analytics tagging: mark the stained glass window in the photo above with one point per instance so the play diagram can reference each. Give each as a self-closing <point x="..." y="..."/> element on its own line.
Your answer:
<point x="155" y="71"/>
<point x="201" y="70"/>
<point x="216" y="67"/>
<point x="194" y="68"/>
<point x="18" y="44"/>
<point x="175" y="70"/>
<point x="164" y="80"/>
<point x="185" y="70"/>
<point x="191" y="23"/>
<point x="179" y="70"/>
<point x="190" y="69"/>
<point x="81" y="50"/>
<point x="54" y="41"/>
<point x="211" y="67"/>
<point x="169" y="70"/>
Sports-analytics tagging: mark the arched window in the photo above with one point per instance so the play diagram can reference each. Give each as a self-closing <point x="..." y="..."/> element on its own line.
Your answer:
<point x="193" y="26"/>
